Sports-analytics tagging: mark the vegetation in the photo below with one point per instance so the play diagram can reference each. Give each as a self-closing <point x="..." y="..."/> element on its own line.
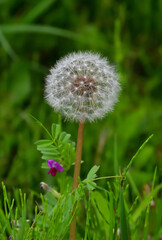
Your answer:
<point x="33" y="35"/>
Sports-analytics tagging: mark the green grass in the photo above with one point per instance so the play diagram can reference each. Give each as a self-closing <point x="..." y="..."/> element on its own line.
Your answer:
<point x="33" y="36"/>
<point x="107" y="211"/>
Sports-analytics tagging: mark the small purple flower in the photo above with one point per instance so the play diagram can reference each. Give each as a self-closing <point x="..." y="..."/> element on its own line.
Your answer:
<point x="54" y="167"/>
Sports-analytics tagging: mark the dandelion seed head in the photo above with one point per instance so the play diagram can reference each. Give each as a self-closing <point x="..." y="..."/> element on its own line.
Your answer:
<point x="82" y="87"/>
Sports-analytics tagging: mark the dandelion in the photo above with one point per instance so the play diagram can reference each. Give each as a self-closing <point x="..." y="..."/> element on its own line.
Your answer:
<point x="54" y="167"/>
<point x="82" y="87"/>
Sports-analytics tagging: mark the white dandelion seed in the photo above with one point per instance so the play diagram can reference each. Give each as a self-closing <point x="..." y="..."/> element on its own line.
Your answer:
<point x="82" y="87"/>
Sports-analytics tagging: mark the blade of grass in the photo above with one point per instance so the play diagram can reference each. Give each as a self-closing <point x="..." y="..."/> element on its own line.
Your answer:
<point x="116" y="167"/>
<point x="133" y="231"/>
<point x="23" y="227"/>
<point x="7" y="46"/>
<point x="41" y="124"/>
<point x="157" y="234"/>
<point x="118" y="42"/>
<point x="36" y="11"/>
<point x="5" y="217"/>
<point x="145" y="202"/>
<point x="111" y="207"/>
<point x="88" y="217"/>
<point x="133" y="184"/>
<point x="5" y="224"/>
<point x="5" y="199"/>
<point x="148" y="208"/>
<point x="138" y="151"/>
<point x="27" y="28"/>
<point x="123" y="219"/>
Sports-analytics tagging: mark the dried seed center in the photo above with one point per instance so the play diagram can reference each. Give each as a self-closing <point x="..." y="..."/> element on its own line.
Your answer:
<point x="83" y="86"/>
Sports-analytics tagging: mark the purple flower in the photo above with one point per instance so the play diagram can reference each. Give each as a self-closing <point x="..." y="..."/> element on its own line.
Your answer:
<point x="54" y="167"/>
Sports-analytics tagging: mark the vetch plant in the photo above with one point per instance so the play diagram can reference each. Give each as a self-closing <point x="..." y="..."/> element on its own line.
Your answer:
<point x="82" y="87"/>
<point x="59" y="147"/>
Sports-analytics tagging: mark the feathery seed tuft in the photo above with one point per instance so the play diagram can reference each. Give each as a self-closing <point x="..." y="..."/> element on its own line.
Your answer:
<point x="82" y="87"/>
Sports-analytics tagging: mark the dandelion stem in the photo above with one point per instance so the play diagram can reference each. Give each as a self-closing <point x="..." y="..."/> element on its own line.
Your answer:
<point x="78" y="155"/>
<point x="77" y="173"/>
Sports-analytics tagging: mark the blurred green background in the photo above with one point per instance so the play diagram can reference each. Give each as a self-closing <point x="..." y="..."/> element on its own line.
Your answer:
<point x="33" y="36"/>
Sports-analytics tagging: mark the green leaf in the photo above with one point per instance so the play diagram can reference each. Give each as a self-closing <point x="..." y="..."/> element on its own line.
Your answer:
<point x="57" y="131"/>
<point x="91" y="185"/>
<point x="64" y="137"/>
<point x="48" y="156"/>
<point x="43" y="143"/>
<point x="53" y="129"/>
<point x="92" y="173"/>
<point x="60" y="147"/>
<point x="51" y="149"/>
<point x="123" y="218"/>
<point x="52" y="154"/>
<point x="44" y="165"/>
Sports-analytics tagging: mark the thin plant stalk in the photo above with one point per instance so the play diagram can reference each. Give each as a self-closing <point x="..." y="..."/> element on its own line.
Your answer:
<point x="77" y="173"/>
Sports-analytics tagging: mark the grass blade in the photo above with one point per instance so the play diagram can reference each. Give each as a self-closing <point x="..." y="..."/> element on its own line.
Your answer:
<point x="7" y="46"/>
<point x="41" y="124"/>
<point x="36" y="11"/>
<point x="145" y="202"/>
<point x="133" y="185"/>
<point x="38" y="29"/>
<point x="138" y="151"/>
<point x="111" y="207"/>
<point x="116" y="167"/>
<point x="123" y="219"/>
<point x="148" y="208"/>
